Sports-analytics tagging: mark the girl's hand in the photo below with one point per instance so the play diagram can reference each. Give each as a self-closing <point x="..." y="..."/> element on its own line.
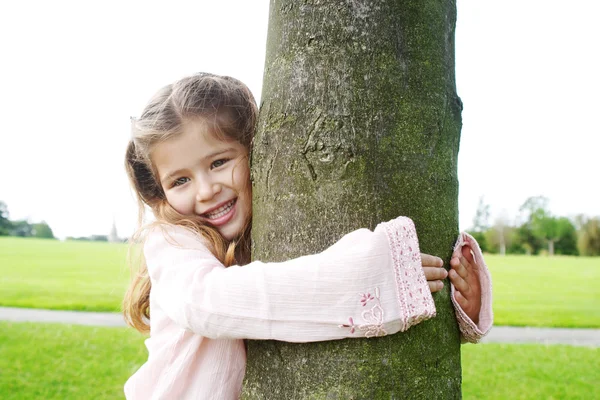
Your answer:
<point x="465" y="278"/>
<point x="434" y="272"/>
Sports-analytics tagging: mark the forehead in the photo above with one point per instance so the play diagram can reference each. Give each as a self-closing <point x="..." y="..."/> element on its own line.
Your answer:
<point x="196" y="142"/>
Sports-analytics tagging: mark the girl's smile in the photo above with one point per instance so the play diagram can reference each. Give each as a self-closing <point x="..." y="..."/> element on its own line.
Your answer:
<point x="206" y="176"/>
<point x="221" y="214"/>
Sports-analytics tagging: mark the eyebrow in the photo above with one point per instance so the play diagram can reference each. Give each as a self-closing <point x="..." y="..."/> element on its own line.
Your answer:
<point x="171" y="175"/>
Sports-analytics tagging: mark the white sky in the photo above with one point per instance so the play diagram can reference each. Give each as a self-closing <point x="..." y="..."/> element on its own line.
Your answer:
<point x="71" y="74"/>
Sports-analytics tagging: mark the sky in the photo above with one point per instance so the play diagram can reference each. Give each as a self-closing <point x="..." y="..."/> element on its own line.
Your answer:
<point x="72" y="73"/>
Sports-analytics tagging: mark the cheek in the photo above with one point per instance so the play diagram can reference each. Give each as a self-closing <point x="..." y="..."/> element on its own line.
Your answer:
<point x="181" y="203"/>
<point x="241" y="178"/>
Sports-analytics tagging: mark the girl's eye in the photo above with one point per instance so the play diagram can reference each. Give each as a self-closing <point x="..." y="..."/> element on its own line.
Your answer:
<point x="180" y="181"/>
<point x="218" y="163"/>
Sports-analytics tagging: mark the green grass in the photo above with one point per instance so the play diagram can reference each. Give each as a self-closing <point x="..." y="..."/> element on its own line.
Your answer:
<point x="70" y="275"/>
<point x="528" y="291"/>
<point x="54" y="361"/>
<point x="501" y="371"/>
<point x="554" y="291"/>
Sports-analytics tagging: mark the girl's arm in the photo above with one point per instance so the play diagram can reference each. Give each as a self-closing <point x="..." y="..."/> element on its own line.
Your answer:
<point x="367" y="284"/>
<point x="471" y="289"/>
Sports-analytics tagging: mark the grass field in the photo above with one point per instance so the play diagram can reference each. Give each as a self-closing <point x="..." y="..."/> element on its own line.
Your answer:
<point x="501" y="371"/>
<point x="52" y="361"/>
<point x="71" y="275"/>
<point x="534" y="291"/>
<point x="554" y="291"/>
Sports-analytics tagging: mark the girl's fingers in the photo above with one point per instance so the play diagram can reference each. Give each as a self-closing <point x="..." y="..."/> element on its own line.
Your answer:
<point x="467" y="253"/>
<point x="435" y="286"/>
<point x="431" y="261"/>
<point x="461" y="300"/>
<point x="434" y="276"/>
<point x="459" y="265"/>
<point x="435" y="273"/>
<point x="459" y="283"/>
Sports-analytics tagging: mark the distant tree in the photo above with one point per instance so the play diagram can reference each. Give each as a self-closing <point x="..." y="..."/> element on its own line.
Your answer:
<point x="499" y="237"/>
<point x="589" y="237"/>
<point x="21" y="228"/>
<point x="42" y="230"/>
<point x="99" y="238"/>
<point x="532" y="205"/>
<point x="78" y="238"/>
<point x="5" y="224"/>
<point x="481" y="224"/>
<point x="527" y="237"/>
<point x="567" y="242"/>
<point x="525" y="241"/>
<point x="482" y="216"/>
<point x="551" y="229"/>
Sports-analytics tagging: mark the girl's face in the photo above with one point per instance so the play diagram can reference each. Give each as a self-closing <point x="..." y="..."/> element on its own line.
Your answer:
<point x="205" y="176"/>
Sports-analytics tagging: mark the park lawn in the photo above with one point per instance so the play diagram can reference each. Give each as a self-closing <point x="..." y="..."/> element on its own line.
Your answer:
<point x="71" y="275"/>
<point x="512" y="371"/>
<point x="557" y="291"/>
<point x="528" y="291"/>
<point x="54" y="361"/>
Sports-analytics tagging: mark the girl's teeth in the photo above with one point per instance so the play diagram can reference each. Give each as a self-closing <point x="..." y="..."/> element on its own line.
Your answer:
<point x="219" y="212"/>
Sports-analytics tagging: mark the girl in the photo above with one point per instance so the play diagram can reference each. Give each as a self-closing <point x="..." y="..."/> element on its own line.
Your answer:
<point x="188" y="162"/>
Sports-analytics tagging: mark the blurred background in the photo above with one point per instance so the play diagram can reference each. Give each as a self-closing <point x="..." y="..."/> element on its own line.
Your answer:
<point x="74" y="72"/>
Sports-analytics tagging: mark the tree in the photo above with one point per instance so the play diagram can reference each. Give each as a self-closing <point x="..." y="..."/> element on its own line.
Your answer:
<point x="526" y="240"/>
<point x="21" y="228"/>
<point x="552" y="229"/>
<point x="528" y="237"/>
<point x="481" y="224"/>
<point x="589" y="237"/>
<point x="42" y="230"/>
<point x="360" y="123"/>
<point x="499" y="237"/>
<point x="482" y="216"/>
<point x="567" y="242"/>
<point x="531" y="206"/>
<point x="5" y="224"/>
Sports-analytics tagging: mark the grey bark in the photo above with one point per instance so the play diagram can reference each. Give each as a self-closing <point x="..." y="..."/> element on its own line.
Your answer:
<point x="359" y="123"/>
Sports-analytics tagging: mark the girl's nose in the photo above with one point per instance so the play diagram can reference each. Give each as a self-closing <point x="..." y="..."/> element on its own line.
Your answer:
<point x="207" y="190"/>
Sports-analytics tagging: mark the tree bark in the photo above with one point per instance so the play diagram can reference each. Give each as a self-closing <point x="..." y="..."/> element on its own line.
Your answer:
<point x="359" y="123"/>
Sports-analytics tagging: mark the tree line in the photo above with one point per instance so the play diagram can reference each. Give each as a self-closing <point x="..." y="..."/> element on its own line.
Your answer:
<point x="22" y="228"/>
<point x="536" y="231"/>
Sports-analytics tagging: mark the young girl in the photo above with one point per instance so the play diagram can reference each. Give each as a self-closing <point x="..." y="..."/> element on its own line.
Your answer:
<point x="188" y="162"/>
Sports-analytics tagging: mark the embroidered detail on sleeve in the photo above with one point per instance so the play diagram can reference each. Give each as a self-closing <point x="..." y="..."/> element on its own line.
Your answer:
<point x="373" y="317"/>
<point x="414" y="296"/>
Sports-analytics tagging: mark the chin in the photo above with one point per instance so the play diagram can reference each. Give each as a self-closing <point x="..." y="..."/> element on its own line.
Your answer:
<point x="230" y="234"/>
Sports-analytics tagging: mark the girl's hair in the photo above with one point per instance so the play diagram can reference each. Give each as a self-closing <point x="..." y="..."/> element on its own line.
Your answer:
<point x="229" y="110"/>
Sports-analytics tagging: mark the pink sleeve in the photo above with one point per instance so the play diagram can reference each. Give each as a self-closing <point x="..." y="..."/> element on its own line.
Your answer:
<point x="367" y="284"/>
<point x="471" y="332"/>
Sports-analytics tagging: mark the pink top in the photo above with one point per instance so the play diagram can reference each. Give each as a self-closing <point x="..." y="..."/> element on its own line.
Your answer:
<point x="367" y="284"/>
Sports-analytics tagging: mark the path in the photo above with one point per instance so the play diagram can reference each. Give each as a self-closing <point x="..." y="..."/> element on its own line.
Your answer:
<point x="499" y="334"/>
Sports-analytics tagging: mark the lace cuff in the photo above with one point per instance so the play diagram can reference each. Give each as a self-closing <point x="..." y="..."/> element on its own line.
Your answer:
<point x="412" y="291"/>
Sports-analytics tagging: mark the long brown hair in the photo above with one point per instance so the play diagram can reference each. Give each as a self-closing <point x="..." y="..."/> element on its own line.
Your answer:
<point x="229" y="108"/>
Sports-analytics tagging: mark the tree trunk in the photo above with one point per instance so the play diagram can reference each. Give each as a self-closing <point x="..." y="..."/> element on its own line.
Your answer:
<point x="551" y="246"/>
<point x="359" y="123"/>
